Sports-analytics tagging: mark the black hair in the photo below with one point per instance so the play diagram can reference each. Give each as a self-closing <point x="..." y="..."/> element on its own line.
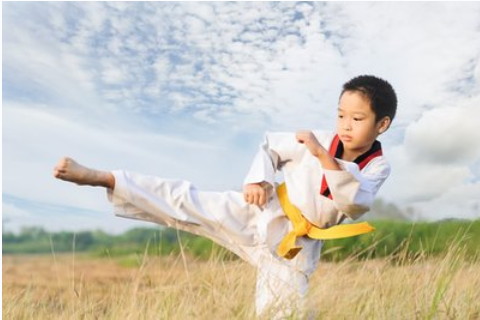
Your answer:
<point x="379" y="92"/>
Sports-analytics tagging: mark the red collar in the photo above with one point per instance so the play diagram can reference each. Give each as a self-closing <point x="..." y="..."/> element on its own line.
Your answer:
<point x="336" y="151"/>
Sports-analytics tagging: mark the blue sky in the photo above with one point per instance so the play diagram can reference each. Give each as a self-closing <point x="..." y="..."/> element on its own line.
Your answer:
<point x="186" y="90"/>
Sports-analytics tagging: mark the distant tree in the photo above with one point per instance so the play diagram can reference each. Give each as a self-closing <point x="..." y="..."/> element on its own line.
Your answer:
<point x="382" y="210"/>
<point x="139" y="235"/>
<point x="32" y="233"/>
<point x="9" y="237"/>
<point x="83" y="240"/>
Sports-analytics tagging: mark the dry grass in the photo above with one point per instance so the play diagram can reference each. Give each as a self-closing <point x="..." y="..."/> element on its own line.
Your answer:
<point x="78" y="287"/>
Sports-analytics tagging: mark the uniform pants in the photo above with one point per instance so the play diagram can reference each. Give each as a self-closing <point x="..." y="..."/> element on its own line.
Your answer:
<point x="223" y="217"/>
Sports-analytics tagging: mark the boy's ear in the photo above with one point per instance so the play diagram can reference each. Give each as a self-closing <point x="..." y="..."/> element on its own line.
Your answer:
<point x="383" y="124"/>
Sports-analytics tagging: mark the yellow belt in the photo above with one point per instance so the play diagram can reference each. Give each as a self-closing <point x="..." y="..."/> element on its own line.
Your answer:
<point x="302" y="227"/>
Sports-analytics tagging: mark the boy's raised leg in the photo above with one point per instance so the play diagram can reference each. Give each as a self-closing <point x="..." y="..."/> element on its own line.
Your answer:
<point x="68" y="169"/>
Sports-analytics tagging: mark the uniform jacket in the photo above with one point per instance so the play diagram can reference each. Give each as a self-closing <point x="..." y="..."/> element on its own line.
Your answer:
<point x="352" y="190"/>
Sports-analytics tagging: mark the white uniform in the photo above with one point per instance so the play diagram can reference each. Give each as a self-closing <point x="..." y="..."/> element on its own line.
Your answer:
<point x="249" y="231"/>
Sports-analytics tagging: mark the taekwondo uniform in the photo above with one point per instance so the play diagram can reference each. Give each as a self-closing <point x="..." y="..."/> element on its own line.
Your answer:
<point x="324" y="197"/>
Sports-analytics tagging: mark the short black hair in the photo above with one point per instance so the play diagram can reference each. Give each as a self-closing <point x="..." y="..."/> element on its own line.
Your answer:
<point x="379" y="92"/>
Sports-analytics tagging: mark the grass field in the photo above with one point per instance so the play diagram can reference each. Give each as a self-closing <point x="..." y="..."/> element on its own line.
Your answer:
<point x="77" y="286"/>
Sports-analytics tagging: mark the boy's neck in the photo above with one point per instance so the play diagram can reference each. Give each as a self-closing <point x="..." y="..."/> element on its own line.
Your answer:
<point x="351" y="155"/>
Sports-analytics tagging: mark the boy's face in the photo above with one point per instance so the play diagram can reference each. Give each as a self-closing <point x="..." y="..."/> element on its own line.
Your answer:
<point x="356" y="125"/>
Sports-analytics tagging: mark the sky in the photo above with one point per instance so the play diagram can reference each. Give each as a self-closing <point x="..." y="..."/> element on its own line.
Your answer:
<point x="187" y="91"/>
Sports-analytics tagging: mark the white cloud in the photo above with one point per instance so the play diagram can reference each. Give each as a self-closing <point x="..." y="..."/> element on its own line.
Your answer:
<point x="11" y="212"/>
<point x="412" y="181"/>
<point x="15" y="218"/>
<point x="437" y="161"/>
<point x="330" y="39"/>
<point x="34" y="141"/>
<point x="459" y="202"/>
<point x="446" y="135"/>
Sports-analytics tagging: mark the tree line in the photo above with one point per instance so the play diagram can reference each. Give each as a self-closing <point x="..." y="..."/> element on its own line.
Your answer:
<point x="392" y="237"/>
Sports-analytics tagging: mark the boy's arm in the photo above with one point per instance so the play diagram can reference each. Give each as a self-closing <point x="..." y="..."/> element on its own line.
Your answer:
<point x="276" y="149"/>
<point x="352" y="191"/>
<point x="317" y="150"/>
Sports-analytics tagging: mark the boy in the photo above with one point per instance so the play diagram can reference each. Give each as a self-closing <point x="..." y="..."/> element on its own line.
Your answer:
<point x="328" y="177"/>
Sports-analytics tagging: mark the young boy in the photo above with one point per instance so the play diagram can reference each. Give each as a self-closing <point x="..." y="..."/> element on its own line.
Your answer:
<point x="328" y="177"/>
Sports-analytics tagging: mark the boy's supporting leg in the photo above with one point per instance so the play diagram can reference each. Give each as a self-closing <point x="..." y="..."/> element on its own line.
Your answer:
<point x="69" y="170"/>
<point x="280" y="291"/>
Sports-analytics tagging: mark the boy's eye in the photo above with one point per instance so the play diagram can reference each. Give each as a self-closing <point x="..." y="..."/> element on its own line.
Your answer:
<point x="357" y="119"/>
<point x="340" y="116"/>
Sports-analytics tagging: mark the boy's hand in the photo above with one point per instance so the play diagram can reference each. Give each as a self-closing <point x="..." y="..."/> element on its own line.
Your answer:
<point x="255" y="193"/>
<point x="311" y="142"/>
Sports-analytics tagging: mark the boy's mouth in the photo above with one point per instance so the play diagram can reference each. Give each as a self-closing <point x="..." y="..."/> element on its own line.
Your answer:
<point x="345" y="137"/>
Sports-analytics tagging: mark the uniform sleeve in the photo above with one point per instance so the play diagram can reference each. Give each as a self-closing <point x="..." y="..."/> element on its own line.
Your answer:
<point x="353" y="191"/>
<point x="277" y="149"/>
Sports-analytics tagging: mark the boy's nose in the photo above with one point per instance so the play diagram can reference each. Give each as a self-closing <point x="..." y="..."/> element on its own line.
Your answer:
<point x="347" y="126"/>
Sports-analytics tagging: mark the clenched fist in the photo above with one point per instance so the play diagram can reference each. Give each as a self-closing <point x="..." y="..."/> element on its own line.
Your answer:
<point x="311" y="142"/>
<point x="256" y="193"/>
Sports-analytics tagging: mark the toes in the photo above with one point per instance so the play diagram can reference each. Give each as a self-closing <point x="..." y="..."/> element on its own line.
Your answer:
<point x="60" y="169"/>
<point x="63" y="163"/>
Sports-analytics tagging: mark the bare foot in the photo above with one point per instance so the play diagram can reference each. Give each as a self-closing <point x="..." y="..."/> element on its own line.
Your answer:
<point x="69" y="170"/>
